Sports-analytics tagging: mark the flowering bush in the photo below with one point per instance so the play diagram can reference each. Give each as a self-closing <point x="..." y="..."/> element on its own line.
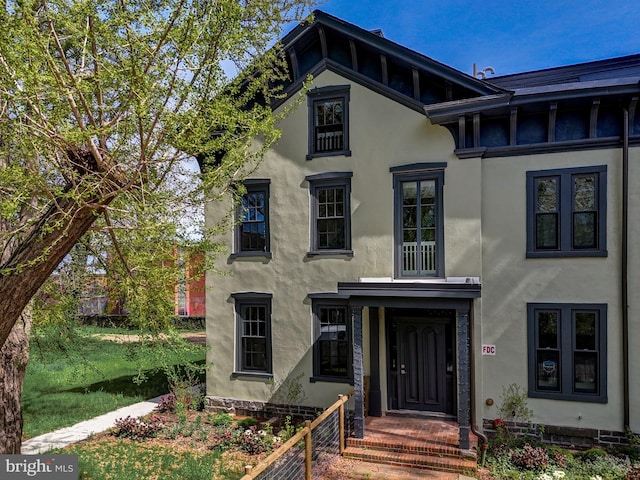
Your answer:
<point x="137" y="429"/>
<point x="498" y="424"/>
<point x="167" y="403"/>
<point x="530" y="458"/>
<point x="225" y="436"/>
<point x="254" y="441"/>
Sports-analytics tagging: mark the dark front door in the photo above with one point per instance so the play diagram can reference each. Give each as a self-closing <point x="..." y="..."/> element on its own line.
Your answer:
<point x="422" y="365"/>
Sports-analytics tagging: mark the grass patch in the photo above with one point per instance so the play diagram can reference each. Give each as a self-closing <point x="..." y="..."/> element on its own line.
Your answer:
<point x="126" y="460"/>
<point x="82" y="376"/>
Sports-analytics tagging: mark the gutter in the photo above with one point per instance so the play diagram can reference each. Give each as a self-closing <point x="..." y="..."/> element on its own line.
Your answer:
<point x="484" y="441"/>
<point x="624" y="267"/>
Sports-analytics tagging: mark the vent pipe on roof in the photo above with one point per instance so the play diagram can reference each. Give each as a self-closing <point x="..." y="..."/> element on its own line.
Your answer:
<point x="482" y="74"/>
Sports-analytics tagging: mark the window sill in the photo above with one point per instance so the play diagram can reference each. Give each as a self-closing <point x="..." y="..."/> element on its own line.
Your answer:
<point x="264" y="375"/>
<point x="236" y="255"/>
<point x="328" y="253"/>
<point x="567" y="254"/>
<point x="343" y="153"/>
<point x="570" y="397"/>
<point x="331" y="380"/>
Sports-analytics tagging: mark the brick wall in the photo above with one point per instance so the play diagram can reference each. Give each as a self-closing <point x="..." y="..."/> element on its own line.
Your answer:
<point x="570" y="437"/>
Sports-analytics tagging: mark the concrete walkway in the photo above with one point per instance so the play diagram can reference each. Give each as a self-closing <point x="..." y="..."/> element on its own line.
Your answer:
<point x="83" y="430"/>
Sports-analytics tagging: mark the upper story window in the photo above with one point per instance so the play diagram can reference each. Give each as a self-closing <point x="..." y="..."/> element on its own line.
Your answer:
<point x="567" y="351"/>
<point x="252" y="226"/>
<point x="419" y="227"/>
<point x="330" y="195"/>
<point x="328" y="121"/>
<point x="566" y="212"/>
<point x="253" y="333"/>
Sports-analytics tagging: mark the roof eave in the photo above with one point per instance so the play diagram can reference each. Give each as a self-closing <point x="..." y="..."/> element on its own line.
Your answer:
<point x="387" y="46"/>
<point x="448" y="112"/>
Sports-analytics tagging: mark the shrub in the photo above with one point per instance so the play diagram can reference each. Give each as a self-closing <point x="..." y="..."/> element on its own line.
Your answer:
<point x="247" y="422"/>
<point x="254" y="442"/>
<point x="225" y="436"/>
<point x="592" y="455"/>
<point x="137" y="429"/>
<point x="167" y="403"/>
<point x="288" y="429"/>
<point x="530" y="458"/>
<point x="514" y="405"/>
<point x="220" y="419"/>
<point x="561" y="457"/>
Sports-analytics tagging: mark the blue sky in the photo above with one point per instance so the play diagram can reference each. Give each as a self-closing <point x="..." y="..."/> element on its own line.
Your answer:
<point x="510" y="36"/>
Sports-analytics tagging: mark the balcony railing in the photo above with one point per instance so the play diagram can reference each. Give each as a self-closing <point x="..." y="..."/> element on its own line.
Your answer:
<point x="419" y="260"/>
<point x="329" y="141"/>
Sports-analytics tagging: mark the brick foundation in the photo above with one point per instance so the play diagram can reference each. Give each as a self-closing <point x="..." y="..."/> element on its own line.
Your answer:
<point x="570" y="437"/>
<point x="261" y="409"/>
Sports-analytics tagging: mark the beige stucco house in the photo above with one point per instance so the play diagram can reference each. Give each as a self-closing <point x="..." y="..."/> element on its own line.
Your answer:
<point x="439" y="236"/>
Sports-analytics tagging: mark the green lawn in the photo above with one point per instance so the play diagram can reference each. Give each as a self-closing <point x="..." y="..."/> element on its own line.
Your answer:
<point x="85" y="377"/>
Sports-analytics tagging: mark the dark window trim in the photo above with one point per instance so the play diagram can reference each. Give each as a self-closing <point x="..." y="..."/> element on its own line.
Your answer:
<point x="419" y="167"/>
<point x="566" y="334"/>
<point x="338" y="92"/>
<point x="427" y="171"/>
<point x="565" y="221"/>
<point x="253" y="185"/>
<point x="316" y="304"/>
<point x="328" y="180"/>
<point x="244" y="299"/>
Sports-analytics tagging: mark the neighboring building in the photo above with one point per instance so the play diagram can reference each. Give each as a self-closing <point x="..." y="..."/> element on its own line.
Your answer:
<point x="411" y="215"/>
<point x="188" y="292"/>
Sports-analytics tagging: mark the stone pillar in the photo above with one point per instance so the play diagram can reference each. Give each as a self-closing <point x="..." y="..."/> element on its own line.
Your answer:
<point x="358" y="376"/>
<point x="464" y="378"/>
<point x="375" y="395"/>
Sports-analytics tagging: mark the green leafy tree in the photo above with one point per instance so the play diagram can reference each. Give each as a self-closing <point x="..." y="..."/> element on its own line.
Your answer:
<point x="100" y="104"/>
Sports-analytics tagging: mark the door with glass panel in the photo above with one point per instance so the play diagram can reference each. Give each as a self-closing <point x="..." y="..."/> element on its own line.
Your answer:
<point x="420" y="212"/>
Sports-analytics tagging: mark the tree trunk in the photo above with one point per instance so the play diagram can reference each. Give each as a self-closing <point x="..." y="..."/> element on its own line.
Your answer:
<point x="14" y="356"/>
<point x="37" y="256"/>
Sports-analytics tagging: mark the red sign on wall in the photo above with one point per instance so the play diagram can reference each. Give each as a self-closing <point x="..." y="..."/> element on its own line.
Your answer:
<point x="488" y="349"/>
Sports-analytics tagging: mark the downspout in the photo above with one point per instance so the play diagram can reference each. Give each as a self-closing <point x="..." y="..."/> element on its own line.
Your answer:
<point x="484" y="441"/>
<point x="624" y="266"/>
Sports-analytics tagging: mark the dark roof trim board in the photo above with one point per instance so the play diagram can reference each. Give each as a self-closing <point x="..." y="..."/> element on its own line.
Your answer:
<point x="409" y="290"/>
<point x="450" y="111"/>
<point x="330" y="65"/>
<point x="314" y="39"/>
<point x="403" y="53"/>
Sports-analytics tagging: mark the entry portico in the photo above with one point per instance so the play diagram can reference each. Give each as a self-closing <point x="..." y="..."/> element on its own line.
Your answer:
<point x="422" y="331"/>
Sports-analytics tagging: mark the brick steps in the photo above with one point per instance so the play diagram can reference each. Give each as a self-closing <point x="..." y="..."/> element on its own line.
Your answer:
<point x="440" y="449"/>
<point x="443" y="463"/>
<point x="411" y="441"/>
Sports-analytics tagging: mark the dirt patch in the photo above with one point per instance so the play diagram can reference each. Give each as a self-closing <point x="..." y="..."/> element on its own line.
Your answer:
<point x="197" y="338"/>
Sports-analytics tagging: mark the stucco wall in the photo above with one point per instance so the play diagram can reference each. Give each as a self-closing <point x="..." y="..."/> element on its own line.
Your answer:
<point x="485" y="236"/>
<point x="510" y="281"/>
<point x="383" y="134"/>
<point x="634" y="292"/>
